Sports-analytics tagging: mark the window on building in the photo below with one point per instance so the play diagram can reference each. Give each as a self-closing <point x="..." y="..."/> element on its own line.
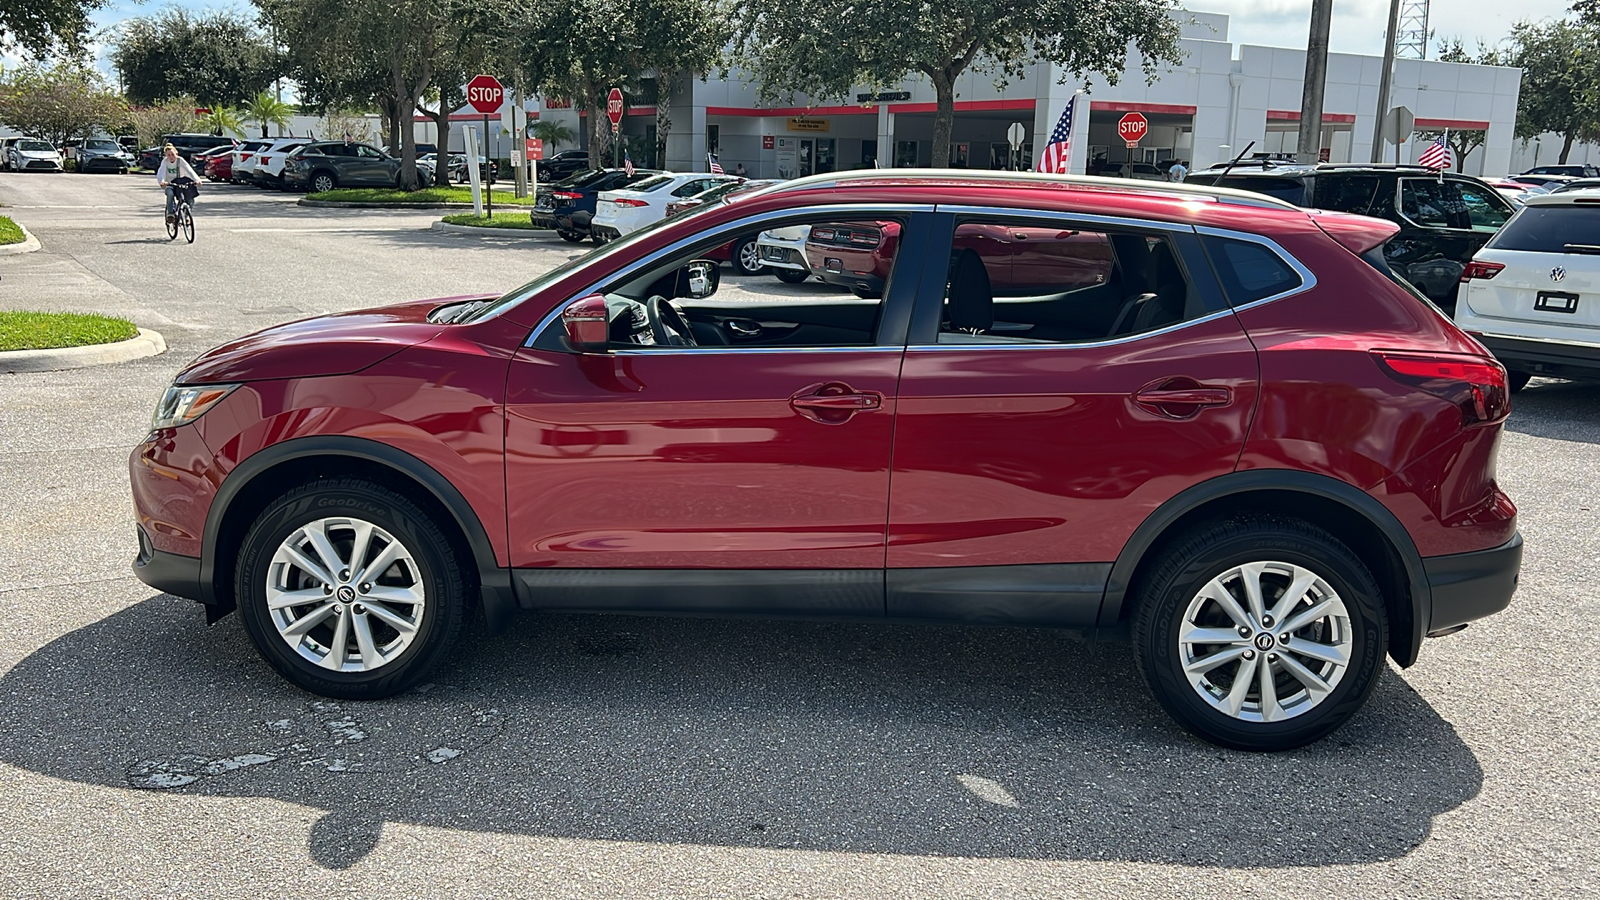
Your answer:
<point x="905" y="154"/>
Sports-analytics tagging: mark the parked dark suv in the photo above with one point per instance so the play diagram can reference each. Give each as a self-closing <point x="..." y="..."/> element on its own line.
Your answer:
<point x="324" y="165"/>
<point x="568" y="205"/>
<point x="1193" y="417"/>
<point x="1443" y="220"/>
<point x="565" y="164"/>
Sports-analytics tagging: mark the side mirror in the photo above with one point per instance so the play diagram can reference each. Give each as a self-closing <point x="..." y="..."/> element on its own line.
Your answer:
<point x="588" y="325"/>
<point x="700" y="279"/>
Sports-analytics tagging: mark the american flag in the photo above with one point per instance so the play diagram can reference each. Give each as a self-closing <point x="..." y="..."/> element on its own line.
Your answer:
<point x="1437" y="156"/>
<point x="627" y="163"/>
<point x="1057" y="155"/>
<point x="716" y="167"/>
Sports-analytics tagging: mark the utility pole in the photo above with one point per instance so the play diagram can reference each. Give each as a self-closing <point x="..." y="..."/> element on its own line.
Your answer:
<point x="1309" y="149"/>
<point x="1385" y="81"/>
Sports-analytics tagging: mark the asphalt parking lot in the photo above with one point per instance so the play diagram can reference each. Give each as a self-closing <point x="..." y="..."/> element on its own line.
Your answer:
<point x="143" y="754"/>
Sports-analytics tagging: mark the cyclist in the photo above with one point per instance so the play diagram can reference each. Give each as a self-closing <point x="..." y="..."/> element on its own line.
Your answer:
<point x="169" y="169"/>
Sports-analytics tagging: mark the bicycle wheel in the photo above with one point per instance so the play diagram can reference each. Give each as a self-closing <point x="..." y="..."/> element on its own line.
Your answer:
<point x="186" y="221"/>
<point x="172" y="225"/>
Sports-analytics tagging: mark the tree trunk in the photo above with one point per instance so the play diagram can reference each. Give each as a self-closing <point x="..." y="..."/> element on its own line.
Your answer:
<point x="944" y="119"/>
<point x="665" y="81"/>
<point x="1566" y="145"/>
<point x="600" y="146"/>
<point x="391" y="121"/>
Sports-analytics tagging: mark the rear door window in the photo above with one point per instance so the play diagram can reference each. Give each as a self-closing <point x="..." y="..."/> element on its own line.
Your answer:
<point x="1353" y="194"/>
<point x="1486" y="211"/>
<point x="1432" y="203"/>
<point x="1288" y="189"/>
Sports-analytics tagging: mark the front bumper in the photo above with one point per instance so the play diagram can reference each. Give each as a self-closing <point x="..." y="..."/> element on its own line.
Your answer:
<point x="168" y="572"/>
<point x="1536" y="356"/>
<point x="1469" y="586"/>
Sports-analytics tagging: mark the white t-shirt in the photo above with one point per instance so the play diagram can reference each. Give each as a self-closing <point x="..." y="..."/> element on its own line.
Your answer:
<point x="1177" y="172"/>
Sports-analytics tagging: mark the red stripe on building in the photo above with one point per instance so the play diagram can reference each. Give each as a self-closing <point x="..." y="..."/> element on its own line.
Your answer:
<point x="866" y="110"/>
<point x="1456" y="124"/>
<point x="1163" y="108"/>
<point x="1293" y="115"/>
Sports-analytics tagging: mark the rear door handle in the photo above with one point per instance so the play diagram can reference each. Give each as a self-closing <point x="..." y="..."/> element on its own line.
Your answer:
<point x="1200" y="396"/>
<point x="838" y="401"/>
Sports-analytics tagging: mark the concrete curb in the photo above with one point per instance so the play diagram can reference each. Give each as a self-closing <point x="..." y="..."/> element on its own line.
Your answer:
<point x="27" y="246"/>
<point x="340" y="204"/>
<point x="148" y="343"/>
<point x="495" y="232"/>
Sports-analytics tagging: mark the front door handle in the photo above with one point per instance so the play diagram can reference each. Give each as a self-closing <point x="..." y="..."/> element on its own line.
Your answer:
<point x="1181" y="398"/>
<point x="833" y="402"/>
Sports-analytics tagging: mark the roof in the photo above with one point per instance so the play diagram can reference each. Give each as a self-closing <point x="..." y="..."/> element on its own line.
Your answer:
<point x="1580" y="197"/>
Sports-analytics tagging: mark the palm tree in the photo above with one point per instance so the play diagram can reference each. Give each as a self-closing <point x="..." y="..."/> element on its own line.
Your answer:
<point x="268" y="110"/>
<point x="223" y="119"/>
<point x="554" y="133"/>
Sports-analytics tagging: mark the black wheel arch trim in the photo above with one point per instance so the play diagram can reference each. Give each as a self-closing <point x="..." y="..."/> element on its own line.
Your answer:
<point x="1360" y="502"/>
<point x="498" y="601"/>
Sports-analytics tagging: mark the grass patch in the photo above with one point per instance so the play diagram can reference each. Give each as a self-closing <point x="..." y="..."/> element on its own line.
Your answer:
<point x="426" y="195"/>
<point x="516" y="220"/>
<point x="49" y="330"/>
<point x="10" y="232"/>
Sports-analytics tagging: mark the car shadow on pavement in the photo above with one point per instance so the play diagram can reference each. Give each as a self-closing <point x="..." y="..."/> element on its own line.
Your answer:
<point x="1560" y="410"/>
<point x="810" y="736"/>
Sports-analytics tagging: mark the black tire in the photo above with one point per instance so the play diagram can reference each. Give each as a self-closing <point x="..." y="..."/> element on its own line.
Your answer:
<point x="571" y="237"/>
<point x="791" y="276"/>
<point x="172" y="226"/>
<point x="322" y="182"/>
<point x="186" y="222"/>
<point x="1212" y="550"/>
<point x="746" y="258"/>
<point x="437" y="571"/>
<point x="1519" y="380"/>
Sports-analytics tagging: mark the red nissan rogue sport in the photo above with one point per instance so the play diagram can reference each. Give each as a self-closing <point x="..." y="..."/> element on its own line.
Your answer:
<point x="1202" y="420"/>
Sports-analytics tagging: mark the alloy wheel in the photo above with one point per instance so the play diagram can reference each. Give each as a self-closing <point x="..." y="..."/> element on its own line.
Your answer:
<point x="345" y="594"/>
<point x="1265" y="641"/>
<point x="750" y="258"/>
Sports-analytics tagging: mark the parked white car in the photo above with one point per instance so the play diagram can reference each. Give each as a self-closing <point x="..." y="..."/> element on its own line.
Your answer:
<point x="783" y="250"/>
<point x="33" y="155"/>
<point x="267" y="170"/>
<point x="645" y="202"/>
<point x="244" y="160"/>
<point x="1532" y="294"/>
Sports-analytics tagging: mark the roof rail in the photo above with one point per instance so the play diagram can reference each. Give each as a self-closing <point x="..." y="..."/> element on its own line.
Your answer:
<point x="1179" y="190"/>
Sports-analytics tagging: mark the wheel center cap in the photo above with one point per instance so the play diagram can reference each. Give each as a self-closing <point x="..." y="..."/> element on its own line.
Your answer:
<point x="1264" y="641"/>
<point x="346" y="594"/>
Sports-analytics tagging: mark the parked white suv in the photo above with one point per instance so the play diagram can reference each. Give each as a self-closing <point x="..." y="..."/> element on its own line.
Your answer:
<point x="1532" y="294"/>
<point x="645" y="202"/>
<point x="783" y="250"/>
<point x="267" y="170"/>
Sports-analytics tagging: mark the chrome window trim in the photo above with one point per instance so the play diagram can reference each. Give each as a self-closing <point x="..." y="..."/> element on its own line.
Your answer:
<point x="738" y="225"/>
<point x="677" y="350"/>
<point x="1087" y="218"/>
<point x="1058" y="346"/>
<point x="1308" y="280"/>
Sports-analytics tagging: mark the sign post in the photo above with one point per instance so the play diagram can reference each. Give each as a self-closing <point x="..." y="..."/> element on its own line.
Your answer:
<point x="471" y="140"/>
<point x="614" y="113"/>
<point x="1132" y="128"/>
<point x="484" y="94"/>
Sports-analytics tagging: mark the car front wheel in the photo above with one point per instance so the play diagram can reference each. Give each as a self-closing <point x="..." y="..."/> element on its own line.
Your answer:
<point x="349" y="589"/>
<point x="1260" y="633"/>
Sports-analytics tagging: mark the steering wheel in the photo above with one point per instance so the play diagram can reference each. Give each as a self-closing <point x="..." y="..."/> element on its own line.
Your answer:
<point x="668" y="323"/>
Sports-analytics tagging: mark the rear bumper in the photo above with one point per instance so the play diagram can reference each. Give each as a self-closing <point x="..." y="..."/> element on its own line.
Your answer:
<point x="1469" y="586"/>
<point x="542" y="218"/>
<point x="1544" y="357"/>
<point x="604" y="232"/>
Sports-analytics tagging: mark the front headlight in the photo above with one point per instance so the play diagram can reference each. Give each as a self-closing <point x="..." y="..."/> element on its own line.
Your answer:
<point x="182" y="405"/>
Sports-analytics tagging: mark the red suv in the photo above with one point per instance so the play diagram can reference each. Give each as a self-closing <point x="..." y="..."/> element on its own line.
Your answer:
<point x="1223" y="432"/>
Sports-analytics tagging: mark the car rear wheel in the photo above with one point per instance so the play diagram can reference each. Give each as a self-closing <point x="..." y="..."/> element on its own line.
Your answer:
<point x="322" y="182"/>
<point x="791" y="276"/>
<point x="747" y="257"/>
<point x="1260" y="634"/>
<point x="571" y="237"/>
<point x="349" y="589"/>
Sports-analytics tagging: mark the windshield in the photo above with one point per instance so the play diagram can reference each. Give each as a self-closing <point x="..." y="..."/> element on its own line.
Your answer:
<point x="102" y="145"/>
<point x="35" y="145"/>
<point x="520" y="294"/>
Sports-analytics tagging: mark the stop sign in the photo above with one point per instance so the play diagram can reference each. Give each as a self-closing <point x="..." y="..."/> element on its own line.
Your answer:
<point x="614" y="108"/>
<point x="1132" y="127"/>
<point x="484" y="94"/>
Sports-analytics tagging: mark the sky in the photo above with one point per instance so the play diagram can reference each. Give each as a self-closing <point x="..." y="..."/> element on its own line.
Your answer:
<point x="1358" y="25"/>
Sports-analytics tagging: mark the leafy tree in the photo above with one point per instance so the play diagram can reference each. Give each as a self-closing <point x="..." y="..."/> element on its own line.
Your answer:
<point x="43" y="26"/>
<point x="1560" y="64"/>
<point x="154" y="123"/>
<point x="581" y="49"/>
<point x="219" y="57"/>
<point x="823" y="49"/>
<point x="265" y="109"/>
<point x="60" y="102"/>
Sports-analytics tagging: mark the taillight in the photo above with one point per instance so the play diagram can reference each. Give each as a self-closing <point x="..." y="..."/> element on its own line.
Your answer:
<point x="866" y="238"/>
<point x="1480" y="269"/>
<point x="1476" y="384"/>
<point x="624" y="201"/>
<point x="823" y="234"/>
<point x="566" y="195"/>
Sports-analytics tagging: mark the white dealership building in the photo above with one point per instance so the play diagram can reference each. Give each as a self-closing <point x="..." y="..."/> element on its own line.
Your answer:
<point x="1207" y="109"/>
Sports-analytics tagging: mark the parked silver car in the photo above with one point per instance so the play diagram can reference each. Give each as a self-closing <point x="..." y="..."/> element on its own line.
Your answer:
<point x="33" y="155"/>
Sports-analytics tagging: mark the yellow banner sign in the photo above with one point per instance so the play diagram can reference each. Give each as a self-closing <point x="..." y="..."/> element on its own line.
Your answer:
<point x="803" y="124"/>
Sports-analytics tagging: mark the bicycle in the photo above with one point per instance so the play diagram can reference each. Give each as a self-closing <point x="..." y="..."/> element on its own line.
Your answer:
<point x="183" y="194"/>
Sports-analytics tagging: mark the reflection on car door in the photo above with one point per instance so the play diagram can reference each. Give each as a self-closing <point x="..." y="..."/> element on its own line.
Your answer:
<point x="1037" y="437"/>
<point x="719" y="477"/>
